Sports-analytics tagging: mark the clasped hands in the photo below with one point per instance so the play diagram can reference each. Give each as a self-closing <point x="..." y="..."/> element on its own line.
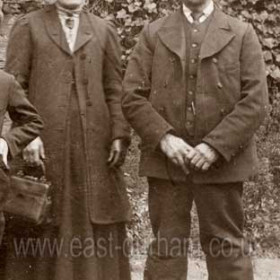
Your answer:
<point x="199" y="158"/>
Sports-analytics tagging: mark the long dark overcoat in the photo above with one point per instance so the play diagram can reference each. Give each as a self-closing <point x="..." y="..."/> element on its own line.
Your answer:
<point x="39" y="57"/>
<point x="230" y="99"/>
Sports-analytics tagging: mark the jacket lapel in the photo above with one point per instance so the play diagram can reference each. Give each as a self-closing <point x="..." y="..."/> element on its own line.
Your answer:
<point x="219" y="34"/>
<point x="172" y="34"/>
<point x="85" y="32"/>
<point x="55" y="30"/>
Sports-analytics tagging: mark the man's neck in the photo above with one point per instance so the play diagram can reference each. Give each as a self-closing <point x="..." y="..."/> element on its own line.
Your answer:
<point x="198" y="8"/>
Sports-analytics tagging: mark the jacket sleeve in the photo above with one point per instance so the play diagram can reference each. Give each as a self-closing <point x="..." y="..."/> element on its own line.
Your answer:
<point x="233" y="133"/>
<point x="112" y="82"/>
<point x="19" y="52"/>
<point x="138" y="110"/>
<point x="26" y="122"/>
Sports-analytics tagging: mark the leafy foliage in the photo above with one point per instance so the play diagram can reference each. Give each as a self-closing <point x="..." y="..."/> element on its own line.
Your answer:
<point x="131" y="15"/>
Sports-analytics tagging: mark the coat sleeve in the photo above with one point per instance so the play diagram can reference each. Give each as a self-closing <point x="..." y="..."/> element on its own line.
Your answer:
<point x="233" y="133"/>
<point x="19" y="52"/>
<point x="112" y="82"/>
<point x="26" y="122"/>
<point x="138" y="110"/>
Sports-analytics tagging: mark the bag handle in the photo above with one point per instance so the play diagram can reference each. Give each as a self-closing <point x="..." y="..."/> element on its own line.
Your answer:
<point x="37" y="171"/>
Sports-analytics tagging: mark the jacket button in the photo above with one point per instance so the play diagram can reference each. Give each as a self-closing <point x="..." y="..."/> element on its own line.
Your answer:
<point x="83" y="56"/>
<point x="219" y="85"/>
<point x="89" y="103"/>
<point x="172" y="59"/>
<point x="215" y="60"/>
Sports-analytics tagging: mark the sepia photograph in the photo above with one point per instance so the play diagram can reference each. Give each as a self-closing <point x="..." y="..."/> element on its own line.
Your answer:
<point x="140" y="140"/>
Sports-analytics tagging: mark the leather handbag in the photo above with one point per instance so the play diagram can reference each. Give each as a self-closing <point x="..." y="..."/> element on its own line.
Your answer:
<point x="29" y="198"/>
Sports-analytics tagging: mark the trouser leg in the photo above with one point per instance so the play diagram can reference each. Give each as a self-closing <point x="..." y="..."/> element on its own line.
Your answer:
<point x="169" y="209"/>
<point x="220" y="213"/>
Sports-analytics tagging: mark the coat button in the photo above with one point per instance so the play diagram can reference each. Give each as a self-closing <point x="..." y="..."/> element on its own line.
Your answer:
<point x="219" y="85"/>
<point x="89" y="103"/>
<point x="215" y="60"/>
<point x="83" y="56"/>
<point x="172" y="59"/>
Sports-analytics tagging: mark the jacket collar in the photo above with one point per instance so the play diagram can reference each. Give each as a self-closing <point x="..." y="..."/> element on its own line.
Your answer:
<point x="56" y="33"/>
<point x="219" y="34"/>
<point x="172" y="34"/>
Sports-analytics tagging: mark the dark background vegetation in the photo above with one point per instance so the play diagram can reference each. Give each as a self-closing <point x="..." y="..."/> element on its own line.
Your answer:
<point x="262" y="194"/>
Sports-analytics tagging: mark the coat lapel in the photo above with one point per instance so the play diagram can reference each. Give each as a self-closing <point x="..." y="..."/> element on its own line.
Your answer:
<point x="219" y="34"/>
<point x="85" y="32"/>
<point x="172" y="35"/>
<point x="55" y="30"/>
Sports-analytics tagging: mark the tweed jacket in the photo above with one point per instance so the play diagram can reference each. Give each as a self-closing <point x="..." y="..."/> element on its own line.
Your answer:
<point x="230" y="101"/>
<point x="26" y="126"/>
<point x="39" y="57"/>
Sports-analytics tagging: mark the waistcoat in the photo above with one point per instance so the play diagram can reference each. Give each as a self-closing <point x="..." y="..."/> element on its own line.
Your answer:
<point x="194" y="34"/>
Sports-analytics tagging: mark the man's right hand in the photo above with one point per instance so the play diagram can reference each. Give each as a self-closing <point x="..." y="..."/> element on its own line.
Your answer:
<point x="34" y="152"/>
<point x="176" y="149"/>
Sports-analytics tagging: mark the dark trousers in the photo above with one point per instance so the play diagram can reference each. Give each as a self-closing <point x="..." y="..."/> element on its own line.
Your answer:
<point x="220" y="214"/>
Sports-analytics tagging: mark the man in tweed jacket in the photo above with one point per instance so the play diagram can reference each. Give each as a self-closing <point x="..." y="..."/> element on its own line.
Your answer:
<point x="195" y="91"/>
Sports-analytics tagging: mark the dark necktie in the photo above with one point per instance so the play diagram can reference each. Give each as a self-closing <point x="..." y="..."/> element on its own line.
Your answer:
<point x="69" y="22"/>
<point x="196" y="16"/>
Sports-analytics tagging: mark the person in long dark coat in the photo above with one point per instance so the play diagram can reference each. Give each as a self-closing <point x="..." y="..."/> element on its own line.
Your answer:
<point x="196" y="92"/>
<point x="69" y="63"/>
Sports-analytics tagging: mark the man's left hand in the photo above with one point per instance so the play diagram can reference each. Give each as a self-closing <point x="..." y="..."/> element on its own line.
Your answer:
<point x="117" y="153"/>
<point x="203" y="157"/>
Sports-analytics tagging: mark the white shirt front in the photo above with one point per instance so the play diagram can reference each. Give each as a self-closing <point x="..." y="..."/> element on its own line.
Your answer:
<point x="70" y="33"/>
<point x="205" y="13"/>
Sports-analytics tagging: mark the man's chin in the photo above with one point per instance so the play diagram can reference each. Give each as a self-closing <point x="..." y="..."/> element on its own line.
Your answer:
<point x="194" y="3"/>
<point x="70" y="6"/>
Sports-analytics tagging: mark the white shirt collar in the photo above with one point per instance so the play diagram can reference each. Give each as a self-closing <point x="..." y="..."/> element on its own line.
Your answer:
<point x="70" y="34"/>
<point x="206" y="12"/>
